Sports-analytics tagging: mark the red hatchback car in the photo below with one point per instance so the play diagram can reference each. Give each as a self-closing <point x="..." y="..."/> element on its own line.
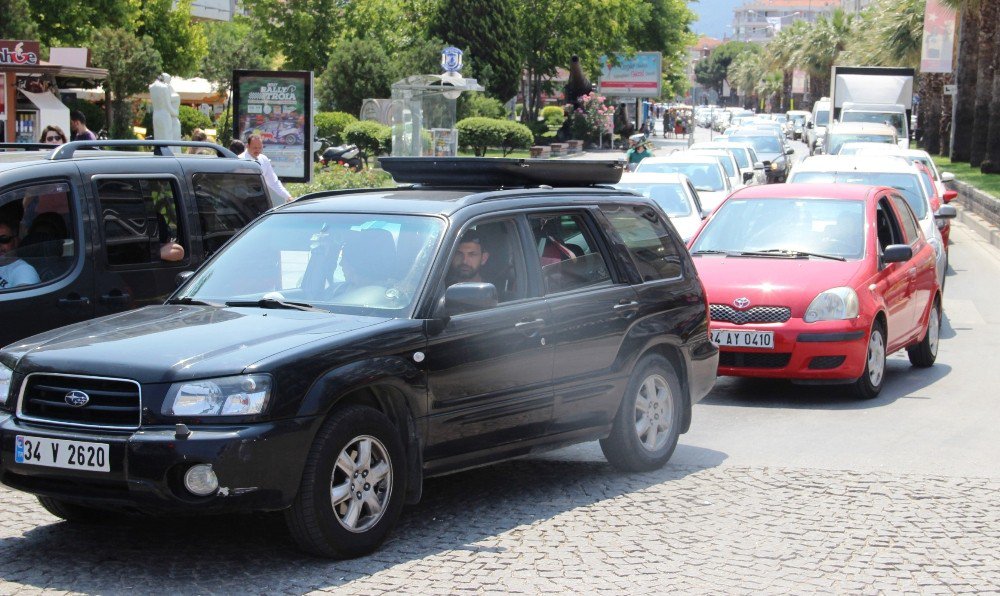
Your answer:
<point x="818" y="283"/>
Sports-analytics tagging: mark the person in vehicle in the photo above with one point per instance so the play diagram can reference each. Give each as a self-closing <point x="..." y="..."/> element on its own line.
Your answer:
<point x="363" y="260"/>
<point x="469" y="258"/>
<point x="13" y="271"/>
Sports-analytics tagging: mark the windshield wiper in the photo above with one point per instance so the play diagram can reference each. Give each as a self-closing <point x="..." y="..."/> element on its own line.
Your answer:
<point x="712" y="252"/>
<point x="273" y="303"/>
<point x="190" y="300"/>
<point x="785" y="252"/>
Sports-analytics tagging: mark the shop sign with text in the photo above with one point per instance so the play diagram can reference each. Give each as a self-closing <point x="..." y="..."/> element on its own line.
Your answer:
<point x="18" y="53"/>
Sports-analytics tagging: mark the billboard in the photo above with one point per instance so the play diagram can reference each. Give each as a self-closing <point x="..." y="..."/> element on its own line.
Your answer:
<point x="277" y="105"/>
<point x="939" y="37"/>
<point x="638" y="76"/>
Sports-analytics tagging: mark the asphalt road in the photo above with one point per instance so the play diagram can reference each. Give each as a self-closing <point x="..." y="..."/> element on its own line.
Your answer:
<point x="777" y="488"/>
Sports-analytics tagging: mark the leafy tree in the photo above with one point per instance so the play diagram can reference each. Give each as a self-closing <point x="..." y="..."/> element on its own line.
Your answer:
<point x="180" y="41"/>
<point x="331" y="125"/>
<point x="17" y="22"/>
<point x="371" y="138"/>
<point x="484" y="29"/>
<point x="303" y="31"/>
<point x="358" y="69"/>
<point x="713" y="71"/>
<point x="132" y="62"/>
<point x="479" y="104"/>
<point x="72" y="22"/>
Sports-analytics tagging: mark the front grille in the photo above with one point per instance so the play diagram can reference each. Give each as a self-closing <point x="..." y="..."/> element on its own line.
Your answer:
<point x="754" y="359"/>
<point x="113" y="403"/>
<point x="826" y="362"/>
<point x="757" y="314"/>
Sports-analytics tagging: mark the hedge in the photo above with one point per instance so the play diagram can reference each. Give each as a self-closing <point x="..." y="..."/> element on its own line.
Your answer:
<point x="331" y="125"/>
<point x="371" y="137"/>
<point x="482" y="133"/>
<point x="554" y="116"/>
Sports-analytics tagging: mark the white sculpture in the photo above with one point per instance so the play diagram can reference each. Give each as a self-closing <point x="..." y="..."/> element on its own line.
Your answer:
<point x="166" y="109"/>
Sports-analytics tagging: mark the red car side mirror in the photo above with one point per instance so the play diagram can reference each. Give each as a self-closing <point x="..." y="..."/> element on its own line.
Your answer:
<point x="949" y="195"/>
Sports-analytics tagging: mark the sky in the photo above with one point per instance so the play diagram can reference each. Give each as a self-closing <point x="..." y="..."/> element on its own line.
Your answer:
<point x="713" y="16"/>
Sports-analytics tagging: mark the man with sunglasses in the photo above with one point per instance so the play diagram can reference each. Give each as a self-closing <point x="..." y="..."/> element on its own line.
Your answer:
<point x="13" y="271"/>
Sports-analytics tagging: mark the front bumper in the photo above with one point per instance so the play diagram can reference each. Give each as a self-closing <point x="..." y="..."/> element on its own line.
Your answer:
<point x="832" y="351"/>
<point x="259" y="466"/>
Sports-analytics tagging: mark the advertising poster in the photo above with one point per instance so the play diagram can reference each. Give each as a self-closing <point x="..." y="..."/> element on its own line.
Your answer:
<point x="638" y="76"/>
<point x="277" y="105"/>
<point x="938" y="39"/>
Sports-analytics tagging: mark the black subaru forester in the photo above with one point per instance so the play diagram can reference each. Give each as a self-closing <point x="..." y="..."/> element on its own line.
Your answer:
<point x="347" y="345"/>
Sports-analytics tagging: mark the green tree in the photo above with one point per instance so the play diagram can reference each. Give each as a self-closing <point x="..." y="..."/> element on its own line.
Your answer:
<point x="180" y="41"/>
<point x="18" y="22"/>
<point x="989" y="13"/>
<point x="484" y="30"/>
<point x="358" y="69"/>
<point x="713" y="71"/>
<point x="303" y="31"/>
<point x="132" y="62"/>
<point x="72" y="22"/>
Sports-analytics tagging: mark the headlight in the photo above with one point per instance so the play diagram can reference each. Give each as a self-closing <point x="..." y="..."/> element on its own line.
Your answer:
<point x="242" y="395"/>
<point x="835" y="304"/>
<point x="5" y="376"/>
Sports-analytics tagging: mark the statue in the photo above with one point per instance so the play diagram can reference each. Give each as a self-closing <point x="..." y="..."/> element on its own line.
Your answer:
<point x="166" y="109"/>
<point x="577" y="86"/>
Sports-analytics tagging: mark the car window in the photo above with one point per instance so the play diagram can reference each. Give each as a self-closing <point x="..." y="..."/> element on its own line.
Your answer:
<point x="907" y="184"/>
<point x="648" y="241"/>
<point x="353" y="263"/>
<point x="670" y="196"/>
<point x="906" y="217"/>
<point x="836" y="141"/>
<point x="567" y="253"/>
<point x="139" y="217"/>
<point x="741" y="157"/>
<point x="762" y="144"/>
<point x="893" y="119"/>
<point x="887" y="226"/>
<point x="490" y="251"/>
<point x="226" y="203"/>
<point x="704" y="176"/>
<point x="822" y="117"/>
<point x="37" y="237"/>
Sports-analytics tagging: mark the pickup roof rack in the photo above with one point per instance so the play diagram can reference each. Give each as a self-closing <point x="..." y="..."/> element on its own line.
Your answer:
<point x="501" y="172"/>
<point x="160" y="148"/>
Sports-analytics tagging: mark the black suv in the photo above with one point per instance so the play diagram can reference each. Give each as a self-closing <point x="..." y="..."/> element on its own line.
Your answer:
<point x="347" y="345"/>
<point x="85" y="227"/>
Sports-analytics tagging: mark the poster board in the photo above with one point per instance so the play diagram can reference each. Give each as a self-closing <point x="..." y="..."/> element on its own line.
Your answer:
<point x="278" y="106"/>
<point x="638" y="76"/>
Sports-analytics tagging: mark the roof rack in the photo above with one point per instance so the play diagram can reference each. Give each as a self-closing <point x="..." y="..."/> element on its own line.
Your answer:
<point x="506" y="172"/>
<point x="26" y="147"/>
<point x="160" y="148"/>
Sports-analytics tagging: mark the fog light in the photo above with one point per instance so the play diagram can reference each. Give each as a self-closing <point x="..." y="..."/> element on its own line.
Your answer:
<point x="200" y="480"/>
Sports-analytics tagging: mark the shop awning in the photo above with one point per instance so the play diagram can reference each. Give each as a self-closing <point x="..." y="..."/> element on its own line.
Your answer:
<point x="196" y="90"/>
<point x="56" y="70"/>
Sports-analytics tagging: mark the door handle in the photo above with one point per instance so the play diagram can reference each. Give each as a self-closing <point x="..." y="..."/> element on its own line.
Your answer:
<point x="116" y="298"/>
<point x="626" y="305"/>
<point x="74" y="300"/>
<point x="531" y="327"/>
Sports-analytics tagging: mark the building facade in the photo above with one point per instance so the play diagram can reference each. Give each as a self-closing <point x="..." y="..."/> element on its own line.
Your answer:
<point x="759" y="21"/>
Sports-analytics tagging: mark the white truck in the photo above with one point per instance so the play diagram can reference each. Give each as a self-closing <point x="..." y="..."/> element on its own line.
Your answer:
<point x="873" y="94"/>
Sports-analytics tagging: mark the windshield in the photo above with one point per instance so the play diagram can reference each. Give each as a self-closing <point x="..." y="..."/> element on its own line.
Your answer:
<point x="669" y="196"/>
<point x="369" y="264"/>
<point x="704" y="176"/>
<point x="907" y="184"/>
<point x="836" y="141"/>
<point x="761" y="144"/>
<point x="821" y="226"/>
<point x="799" y="119"/>
<point x="893" y="119"/>
<point x="822" y="117"/>
<point x="725" y="162"/>
<point x="741" y="156"/>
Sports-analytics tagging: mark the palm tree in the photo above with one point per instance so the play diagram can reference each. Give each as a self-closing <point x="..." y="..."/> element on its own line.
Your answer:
<point x="965" y="77"/>
<point x="818" y="52"/>
<point x="991" y="161"/>
<point x="989" y="11"/>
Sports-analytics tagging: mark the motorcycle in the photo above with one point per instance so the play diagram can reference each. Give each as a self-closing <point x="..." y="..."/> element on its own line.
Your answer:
<point x="348" y="155"/>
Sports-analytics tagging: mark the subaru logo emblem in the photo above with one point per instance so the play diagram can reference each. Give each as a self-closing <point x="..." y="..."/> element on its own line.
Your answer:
<point x="741" y="303"/>
<point x="77" y="398"/>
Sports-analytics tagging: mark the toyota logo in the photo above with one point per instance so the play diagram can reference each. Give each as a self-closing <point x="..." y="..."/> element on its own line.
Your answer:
<point x="741" y="303"/>
<point x="77" y="398"/>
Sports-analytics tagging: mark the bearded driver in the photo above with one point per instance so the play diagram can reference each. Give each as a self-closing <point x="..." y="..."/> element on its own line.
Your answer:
<point x="468" y="259"/>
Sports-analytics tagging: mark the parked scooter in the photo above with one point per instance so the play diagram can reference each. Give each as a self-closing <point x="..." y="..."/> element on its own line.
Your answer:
<point x="348" y="155"/>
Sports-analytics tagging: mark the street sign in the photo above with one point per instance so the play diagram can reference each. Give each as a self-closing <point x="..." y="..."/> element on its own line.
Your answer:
<point x="639" y="76"/>
<point x="950" y="89"/>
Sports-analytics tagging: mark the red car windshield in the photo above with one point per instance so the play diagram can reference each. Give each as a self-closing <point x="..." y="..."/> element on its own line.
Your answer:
<point x="821" y="226"/>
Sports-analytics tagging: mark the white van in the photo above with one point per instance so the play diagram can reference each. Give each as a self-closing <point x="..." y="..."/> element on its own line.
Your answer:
<point x="816" y="128"/>
<point x="893" y="114"/>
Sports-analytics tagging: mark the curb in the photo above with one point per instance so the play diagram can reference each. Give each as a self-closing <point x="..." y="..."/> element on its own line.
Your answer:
<point x="979" y="211"/>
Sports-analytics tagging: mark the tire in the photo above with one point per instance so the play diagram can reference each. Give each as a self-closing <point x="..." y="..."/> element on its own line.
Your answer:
<point x="924" y="353"/>
<point x="631" y="449"/>
<point x="327" y="518"/>
<point x="74" y="513"/>
<point x="869" y="384"/>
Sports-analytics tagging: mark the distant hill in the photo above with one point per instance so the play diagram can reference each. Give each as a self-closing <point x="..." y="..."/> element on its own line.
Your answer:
<point x="713" y="16"/>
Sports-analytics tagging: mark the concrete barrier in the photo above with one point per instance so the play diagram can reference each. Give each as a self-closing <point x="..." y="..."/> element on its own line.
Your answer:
<point x="979" y="211"/>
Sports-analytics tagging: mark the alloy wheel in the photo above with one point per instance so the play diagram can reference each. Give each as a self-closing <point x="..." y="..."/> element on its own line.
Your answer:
<point x="876" y="358"/>
<point x="361" y="484"/>
<point x="653" y="412"/>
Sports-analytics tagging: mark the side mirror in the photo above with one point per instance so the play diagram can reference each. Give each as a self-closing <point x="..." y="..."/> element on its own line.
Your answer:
<point x="469" y="297"/>
<point x="810" y="125"/>
<point x="183" y="276"/>
<point x="897" y="253"/>
<point x="758" y="165"/>
<point x="947" y="177"/>
<point x="945" y="212"/>
<point x="747" y="176"/>
<point x="789" y="151"/>
<point x="950" y="195"/>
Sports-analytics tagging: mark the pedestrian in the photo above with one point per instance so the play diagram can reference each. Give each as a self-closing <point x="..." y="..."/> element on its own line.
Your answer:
<point x="637" y="151"/>
<point x="52" y="135"/>
<point x="255" y="146"/>
<point x="78" y="124"/>
<point x="237" y="146"/>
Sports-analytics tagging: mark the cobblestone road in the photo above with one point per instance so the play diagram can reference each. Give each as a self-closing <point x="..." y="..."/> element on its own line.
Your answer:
<point x="561" y="526"/>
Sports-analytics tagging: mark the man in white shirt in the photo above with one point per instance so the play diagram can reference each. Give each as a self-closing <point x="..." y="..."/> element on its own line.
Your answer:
<point x="254" y="147"/>
<point x="13" y="271"/>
